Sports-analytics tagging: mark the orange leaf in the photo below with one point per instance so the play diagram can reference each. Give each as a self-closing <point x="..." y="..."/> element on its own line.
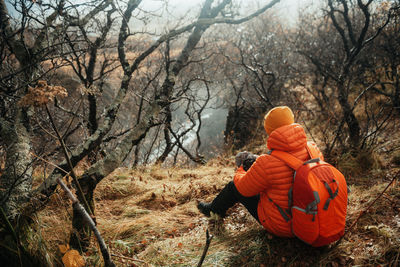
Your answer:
<point x="63" y="248"/>
<point x="73" y="259"/>
<point x="180" y="245"/>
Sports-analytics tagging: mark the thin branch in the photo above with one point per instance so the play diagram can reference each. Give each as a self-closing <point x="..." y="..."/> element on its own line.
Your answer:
<point x="338" y="28"/>
<point x="51" y="163"/>
<point x="208" y="242"/>
<point x="74" y="177"/>
<point x="361" y="94"/>
<point x="371" y="204"/>
<point x="241" y="20"/>
<point x="383" y="26"/>
<point x="78" y="207"/>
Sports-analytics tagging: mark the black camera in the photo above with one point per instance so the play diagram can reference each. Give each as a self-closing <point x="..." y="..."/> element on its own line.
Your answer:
<point x="251" y="158"/>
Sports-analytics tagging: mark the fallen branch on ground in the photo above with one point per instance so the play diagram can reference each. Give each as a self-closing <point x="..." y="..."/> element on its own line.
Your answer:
<point x="79" y="208"/>
<point x="67" y="158"/>
<point x="369" y="206"/>
<point x="208" y="241"/>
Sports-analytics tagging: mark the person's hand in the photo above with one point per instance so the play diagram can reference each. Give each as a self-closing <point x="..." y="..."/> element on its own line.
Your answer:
<point x="248" y="162"/>
<point x="240" y="157"/>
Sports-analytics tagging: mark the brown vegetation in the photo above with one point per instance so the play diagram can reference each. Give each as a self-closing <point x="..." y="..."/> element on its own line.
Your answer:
<point x="139" y="99"/>
<point x="150" y="214"/>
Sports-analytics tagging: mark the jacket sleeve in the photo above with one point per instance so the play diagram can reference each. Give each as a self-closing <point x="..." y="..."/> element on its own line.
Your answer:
<point x="254" y="181"/>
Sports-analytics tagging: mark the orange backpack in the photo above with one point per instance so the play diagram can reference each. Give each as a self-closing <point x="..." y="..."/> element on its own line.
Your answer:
<point x="317" y="200"/>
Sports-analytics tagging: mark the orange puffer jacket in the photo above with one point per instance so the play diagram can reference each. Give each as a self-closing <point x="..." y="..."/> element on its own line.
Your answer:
<point x="272" y="178"/>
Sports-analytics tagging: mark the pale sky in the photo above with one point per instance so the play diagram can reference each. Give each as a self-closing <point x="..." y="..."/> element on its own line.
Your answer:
<point x="287" y="9"/>
<point x="189" y="9"/>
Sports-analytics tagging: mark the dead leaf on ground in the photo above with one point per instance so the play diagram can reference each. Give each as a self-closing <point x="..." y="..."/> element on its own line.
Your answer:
<point x="63" y="248"/>
<point x="73" y="259"/>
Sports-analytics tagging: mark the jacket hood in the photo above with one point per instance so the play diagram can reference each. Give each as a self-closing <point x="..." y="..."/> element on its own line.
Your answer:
<point x="287" y="138"/>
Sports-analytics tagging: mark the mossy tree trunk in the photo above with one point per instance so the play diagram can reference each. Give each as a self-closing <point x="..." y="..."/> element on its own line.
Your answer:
<point x="16" y="186"/>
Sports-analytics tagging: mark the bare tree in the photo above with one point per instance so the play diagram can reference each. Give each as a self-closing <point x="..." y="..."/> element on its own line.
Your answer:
<point x="44" y="36"/>
<point x="258" y="71"/>
<point x="387" y="58"/>
<point x="334" y="69"/>
<point x="191" y="96"/>
<point x="32" y="46"/>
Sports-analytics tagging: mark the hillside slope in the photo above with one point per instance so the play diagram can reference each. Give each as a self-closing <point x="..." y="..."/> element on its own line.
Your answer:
<point x="149" y="217"/>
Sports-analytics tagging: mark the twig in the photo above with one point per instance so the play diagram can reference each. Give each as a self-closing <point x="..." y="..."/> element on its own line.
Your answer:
<point x="12" y="231"/>
<point x="397" y="258"/>
<point x="127" y="258"/>
<point x="369" y="206"/>
<point x="85" y="215"/>
<point x="208" y="241"/>
<point x="388" y="198"/>
<point x="50" y="163"/>
<point x="9" y="226"/>
<point x="78" y="207"/>
<point x="69" y="162"/>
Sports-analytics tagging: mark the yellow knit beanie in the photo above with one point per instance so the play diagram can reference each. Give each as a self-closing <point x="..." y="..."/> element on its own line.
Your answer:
<point x="278" y="117"/>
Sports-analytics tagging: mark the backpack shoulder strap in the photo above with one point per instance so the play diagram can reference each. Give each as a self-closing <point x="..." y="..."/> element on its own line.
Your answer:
<point x="312" y="150"/>
<point x="289" y="159"/>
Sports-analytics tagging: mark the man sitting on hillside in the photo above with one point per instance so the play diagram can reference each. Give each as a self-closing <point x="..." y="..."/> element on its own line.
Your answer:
<point x="263" y="189"/>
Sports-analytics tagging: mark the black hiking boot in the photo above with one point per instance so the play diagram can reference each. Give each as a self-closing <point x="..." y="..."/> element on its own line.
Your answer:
<point x="204" y="208"/>
<point x="221" y="203"/>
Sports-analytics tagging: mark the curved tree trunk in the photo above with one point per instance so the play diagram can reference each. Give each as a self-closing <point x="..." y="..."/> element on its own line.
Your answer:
<point x="349" y="117"/>
<point x="167" y="137"/>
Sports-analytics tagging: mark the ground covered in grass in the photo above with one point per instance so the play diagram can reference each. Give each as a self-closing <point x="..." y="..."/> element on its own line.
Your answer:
<point x="148" y="217"/>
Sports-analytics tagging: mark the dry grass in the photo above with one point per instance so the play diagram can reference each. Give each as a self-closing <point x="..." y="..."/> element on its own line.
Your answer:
<point x="376" y="236"/>
<point x="54" y="227"/>
<point x="150" y="214"/>
<point x="357" y="167"/>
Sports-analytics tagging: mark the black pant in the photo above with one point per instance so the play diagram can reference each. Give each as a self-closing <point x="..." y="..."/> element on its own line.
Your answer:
<point x="229" y="195"/>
